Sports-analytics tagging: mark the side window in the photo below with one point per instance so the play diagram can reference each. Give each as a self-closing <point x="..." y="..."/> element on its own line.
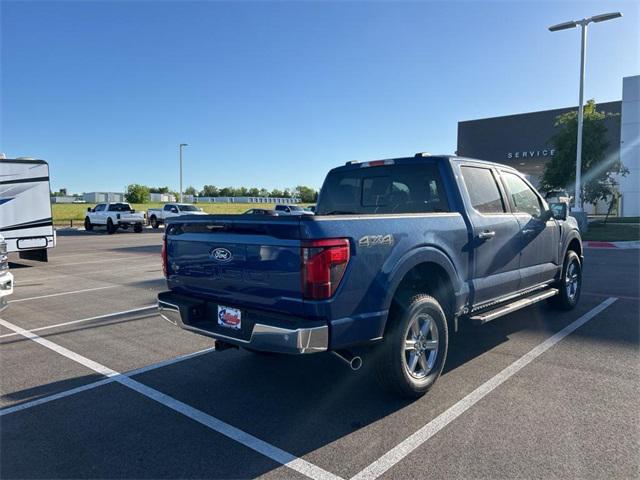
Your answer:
<point x="483" y="190"/>
<point x="167" y="208"/>
<point x="99" y="207"/>
<point x="523" y="197"/>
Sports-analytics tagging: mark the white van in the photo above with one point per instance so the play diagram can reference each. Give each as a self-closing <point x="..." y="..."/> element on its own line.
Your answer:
<point x="25" y="208"/>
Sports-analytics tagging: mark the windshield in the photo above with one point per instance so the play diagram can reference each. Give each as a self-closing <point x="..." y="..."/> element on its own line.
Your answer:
<point x="188" y="208"/>
<point x="389" y="189"/>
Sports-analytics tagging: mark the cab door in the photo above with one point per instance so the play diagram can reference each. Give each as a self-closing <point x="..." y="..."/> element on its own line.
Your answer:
<point x="99" y="214"/>
<point x="539" y="236"/>
<point x="169" y="211"/>
<point x="494" y="248"/>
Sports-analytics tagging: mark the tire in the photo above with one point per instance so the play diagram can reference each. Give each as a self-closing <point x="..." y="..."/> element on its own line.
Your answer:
<point x="570" y="284"/>
<point x="88" y="226"/>
<point x="154" y="222"/>
<point x="396" y="366"/>
<point x="111" y="228"/>
<point x="137" y="228"/>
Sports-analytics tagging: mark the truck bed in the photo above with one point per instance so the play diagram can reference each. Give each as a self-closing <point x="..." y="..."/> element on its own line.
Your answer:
<point x="264" y="270"/>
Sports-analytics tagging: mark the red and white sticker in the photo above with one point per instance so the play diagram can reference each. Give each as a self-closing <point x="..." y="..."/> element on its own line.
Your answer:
<point x="229" y="317"/>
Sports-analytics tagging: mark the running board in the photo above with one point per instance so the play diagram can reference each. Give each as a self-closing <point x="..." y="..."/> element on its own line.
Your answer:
<point x="485" y="317"/>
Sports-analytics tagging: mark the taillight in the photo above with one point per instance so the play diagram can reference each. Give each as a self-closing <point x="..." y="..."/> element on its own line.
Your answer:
<point x="323" y="265"/>
<point x="164" y="256"/>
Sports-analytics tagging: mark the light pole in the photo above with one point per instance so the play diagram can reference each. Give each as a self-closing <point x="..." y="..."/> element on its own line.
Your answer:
<point x="583" y="57"/>
<point x="181" y="145"/>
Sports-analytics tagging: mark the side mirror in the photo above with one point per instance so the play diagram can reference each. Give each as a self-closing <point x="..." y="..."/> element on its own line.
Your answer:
<point x="89" y="209"/>
<point x="559" y="210"/>
<point x="133" y="211"/>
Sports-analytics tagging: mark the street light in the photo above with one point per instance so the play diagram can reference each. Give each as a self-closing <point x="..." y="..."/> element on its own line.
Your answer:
<point x="583" y="55"/>
<point x="181" y="145"/>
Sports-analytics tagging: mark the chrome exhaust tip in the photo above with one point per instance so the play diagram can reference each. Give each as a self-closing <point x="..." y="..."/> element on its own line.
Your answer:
<point x="354" y="361"/>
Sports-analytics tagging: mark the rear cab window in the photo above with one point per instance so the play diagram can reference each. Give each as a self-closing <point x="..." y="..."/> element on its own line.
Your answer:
<point x="119" y="207"/>
<point x="402" y="188"/>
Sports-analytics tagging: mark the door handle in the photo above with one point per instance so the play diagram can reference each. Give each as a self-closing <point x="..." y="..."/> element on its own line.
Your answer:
<point x="486" y="235"/>
<point x="528" y="231"/>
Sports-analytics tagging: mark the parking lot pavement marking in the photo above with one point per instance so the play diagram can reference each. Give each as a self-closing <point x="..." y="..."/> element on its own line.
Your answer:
<point x="62" y="293"/>
<point x="268" y="450"/>
<point x="404" y="448"/>
<point x="131" y="257"/>
<point x="55" y="396"/>
<point x="56" y="275"/>
<point x="89" y="386"/>
<point x="149" y="308"/>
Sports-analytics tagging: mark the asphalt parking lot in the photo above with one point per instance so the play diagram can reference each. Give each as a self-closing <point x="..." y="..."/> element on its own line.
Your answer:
<point x="94" y="384"/>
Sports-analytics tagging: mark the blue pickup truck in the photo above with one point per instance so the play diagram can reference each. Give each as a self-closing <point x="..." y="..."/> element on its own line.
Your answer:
<point x="399" y="252"/>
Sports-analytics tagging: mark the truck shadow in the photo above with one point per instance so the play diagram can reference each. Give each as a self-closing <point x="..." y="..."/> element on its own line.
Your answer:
<point x="301" y="404"/>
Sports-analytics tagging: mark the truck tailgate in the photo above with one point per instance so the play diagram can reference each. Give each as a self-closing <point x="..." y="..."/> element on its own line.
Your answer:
<point x="237" y="260"/>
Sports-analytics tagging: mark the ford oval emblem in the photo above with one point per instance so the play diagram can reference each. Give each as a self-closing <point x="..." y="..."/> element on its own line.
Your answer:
<point x="221" y="255"/>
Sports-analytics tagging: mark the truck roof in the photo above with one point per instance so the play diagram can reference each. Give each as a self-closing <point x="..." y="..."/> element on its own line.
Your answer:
<point x="417" y="159"/>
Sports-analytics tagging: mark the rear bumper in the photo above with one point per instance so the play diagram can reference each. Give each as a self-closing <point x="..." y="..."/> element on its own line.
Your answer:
<point x="6" y="289"/>
<point x="126" y="221"/>
<point x="262" y="332"/>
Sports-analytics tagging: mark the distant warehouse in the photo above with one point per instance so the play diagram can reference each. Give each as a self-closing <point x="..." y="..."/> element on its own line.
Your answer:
<point x="277" y="200"/>
<point x="100" y="197"/>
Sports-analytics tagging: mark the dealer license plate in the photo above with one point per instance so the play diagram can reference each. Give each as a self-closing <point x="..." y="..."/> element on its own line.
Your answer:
<point x="229" y="317"/>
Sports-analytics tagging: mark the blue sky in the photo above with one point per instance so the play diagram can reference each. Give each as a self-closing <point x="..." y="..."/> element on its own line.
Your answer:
<point x="274" y="94"/>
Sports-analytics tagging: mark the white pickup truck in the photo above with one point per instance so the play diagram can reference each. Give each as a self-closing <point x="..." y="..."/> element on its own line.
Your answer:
<point x="157" y="216"/>
<point x="6" y="278"/>
<point x="113" y="216"/>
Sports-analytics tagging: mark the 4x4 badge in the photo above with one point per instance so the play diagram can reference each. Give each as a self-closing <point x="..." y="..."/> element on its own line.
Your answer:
<point x="373" y="240"/>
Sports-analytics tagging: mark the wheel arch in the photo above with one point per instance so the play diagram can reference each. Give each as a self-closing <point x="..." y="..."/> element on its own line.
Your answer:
<point x="428" y="271"/>
<point x="574" y="244"/>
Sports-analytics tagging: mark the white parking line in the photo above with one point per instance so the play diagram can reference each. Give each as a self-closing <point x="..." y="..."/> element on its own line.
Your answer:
<point x="271" y="451"/>
<point x="89" y="386"/>
<point x="407" y="446"/>
<point x="131" y="257"/>
<point x="149" y="308"/>
<point x="22" y="282"/>
<point x="62" y="293"/>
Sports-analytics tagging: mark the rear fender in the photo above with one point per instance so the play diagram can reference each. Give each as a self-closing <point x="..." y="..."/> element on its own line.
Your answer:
<point x="426" y="254"/>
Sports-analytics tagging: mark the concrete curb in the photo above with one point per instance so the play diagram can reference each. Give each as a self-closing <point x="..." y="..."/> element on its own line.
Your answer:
<point x="619" y="245"/>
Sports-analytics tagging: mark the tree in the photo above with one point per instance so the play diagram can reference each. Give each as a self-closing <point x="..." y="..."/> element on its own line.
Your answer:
<point x="599" y="171"/>
<point x="137" y="193"/>
<point x="306" y="194"/>
<point x="227" y="192"/>
<point x="210" y="191"/>
<point x="276" y="193"/>
<point x="191" y="191"/>
<point x="158" y="189"/>
<point x="253" y="192"/>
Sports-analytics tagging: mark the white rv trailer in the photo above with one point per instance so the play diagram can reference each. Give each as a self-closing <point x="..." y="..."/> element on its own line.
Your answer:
<point x="25" y="208"/>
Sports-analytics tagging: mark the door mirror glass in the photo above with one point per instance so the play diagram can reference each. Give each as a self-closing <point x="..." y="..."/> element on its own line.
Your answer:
<point x="89" y="209"/>
<point x="558" y="210"/>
